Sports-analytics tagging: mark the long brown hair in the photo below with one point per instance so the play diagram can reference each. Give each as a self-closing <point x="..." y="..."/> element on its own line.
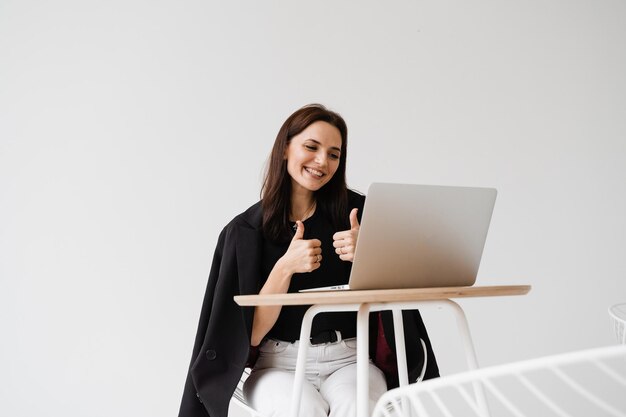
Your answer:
<point x="332" y="198"/>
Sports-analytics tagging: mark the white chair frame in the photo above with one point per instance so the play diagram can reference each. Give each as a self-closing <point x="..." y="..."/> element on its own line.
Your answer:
<point x="618" y="320"/>
<point x="586" y="383"/>
<point x="239" y="399"/>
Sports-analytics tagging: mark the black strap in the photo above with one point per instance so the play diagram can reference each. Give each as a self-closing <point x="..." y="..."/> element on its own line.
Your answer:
<point x="327" y="336"/>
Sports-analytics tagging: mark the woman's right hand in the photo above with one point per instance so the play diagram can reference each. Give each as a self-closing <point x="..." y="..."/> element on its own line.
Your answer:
<point x="303" y="255"/>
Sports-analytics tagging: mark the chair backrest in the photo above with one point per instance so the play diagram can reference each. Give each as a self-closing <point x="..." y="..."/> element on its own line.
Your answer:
<point x="618" y="320"/>
<point x="238" y="398"/>
<point x="586" y="383"/>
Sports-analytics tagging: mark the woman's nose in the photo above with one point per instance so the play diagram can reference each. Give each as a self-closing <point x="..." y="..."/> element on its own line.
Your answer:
<point x="321" y="158"/>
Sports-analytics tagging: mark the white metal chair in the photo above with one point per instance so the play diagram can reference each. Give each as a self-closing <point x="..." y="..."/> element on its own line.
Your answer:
<point x="589" y="383"/>
<point x="618" y="319"/>
<point x="238" y="398"/>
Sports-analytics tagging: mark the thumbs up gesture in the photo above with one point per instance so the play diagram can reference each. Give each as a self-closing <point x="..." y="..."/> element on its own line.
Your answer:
<point x="303" y="255"/>
<point x="345" y="241"/>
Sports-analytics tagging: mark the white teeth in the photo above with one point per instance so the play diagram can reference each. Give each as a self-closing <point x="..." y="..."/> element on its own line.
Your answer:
<point x="314" y="172"/>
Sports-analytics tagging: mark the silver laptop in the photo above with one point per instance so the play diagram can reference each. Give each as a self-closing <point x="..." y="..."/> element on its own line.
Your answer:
<point x="416" y="236"/>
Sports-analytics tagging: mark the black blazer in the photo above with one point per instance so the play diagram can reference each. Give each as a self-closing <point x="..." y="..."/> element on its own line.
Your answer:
<point x="222" y="343"/>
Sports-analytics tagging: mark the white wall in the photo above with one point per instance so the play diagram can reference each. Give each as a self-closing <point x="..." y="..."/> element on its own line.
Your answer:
<point x="132" y="131"/>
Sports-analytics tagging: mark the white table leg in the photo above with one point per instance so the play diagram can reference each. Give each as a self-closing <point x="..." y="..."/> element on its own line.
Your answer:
<point x="470" y="352"/>
<point x="463" y="328"/>
<point x="362" y="383"/>
<point x="398" y="330"/>
<point x="461" y="321"/>
<point x="362" y="361"/>
<point x="403" y="371"/>
<point x="303" y="347"/>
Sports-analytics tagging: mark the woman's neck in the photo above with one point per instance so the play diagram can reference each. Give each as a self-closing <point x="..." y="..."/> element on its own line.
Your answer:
<point x="302" y="205"/>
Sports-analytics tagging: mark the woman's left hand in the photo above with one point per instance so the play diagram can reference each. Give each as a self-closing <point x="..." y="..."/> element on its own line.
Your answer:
<point x="345" y="241"/>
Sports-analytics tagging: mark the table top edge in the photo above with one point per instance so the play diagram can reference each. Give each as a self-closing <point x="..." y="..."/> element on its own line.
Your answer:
<point x="387" y="295"/>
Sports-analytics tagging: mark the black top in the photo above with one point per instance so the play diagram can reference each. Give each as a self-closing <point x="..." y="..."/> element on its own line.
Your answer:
<point x="332" y="271"/>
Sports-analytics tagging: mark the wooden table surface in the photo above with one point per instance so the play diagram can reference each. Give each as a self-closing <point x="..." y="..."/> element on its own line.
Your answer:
<point x="380" y="296"/>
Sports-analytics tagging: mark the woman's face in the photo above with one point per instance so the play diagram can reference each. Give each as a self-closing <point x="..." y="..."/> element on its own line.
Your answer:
<point x="313" y="156"/>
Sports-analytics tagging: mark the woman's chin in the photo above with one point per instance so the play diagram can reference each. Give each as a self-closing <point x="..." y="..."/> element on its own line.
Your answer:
<point x="311" y="186"/>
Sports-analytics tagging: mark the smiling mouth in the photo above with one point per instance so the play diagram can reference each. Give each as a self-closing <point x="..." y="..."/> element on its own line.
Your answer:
<point x="314" y="172"/>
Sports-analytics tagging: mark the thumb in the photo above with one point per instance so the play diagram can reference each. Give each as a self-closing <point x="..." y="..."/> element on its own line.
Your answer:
<point x="354" y="221"/>
<point x="299" y="231"/>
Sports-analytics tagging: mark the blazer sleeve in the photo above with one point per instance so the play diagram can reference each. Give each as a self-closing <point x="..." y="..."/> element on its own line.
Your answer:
<point x="191" y="404"/>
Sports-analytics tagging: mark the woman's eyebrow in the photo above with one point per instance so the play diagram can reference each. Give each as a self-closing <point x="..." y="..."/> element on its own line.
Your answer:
<point x="334" y="148"/>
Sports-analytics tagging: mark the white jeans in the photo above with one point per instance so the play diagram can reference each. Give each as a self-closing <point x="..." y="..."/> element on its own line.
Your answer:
<point x="330" y="380"/>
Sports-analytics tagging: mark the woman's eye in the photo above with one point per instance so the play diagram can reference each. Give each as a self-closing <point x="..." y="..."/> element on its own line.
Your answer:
<point x="334" y="156"/>
<point x="311" y="147"/>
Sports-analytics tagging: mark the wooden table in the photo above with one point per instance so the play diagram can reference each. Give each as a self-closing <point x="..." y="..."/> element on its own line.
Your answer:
<point x="367" y="301"/>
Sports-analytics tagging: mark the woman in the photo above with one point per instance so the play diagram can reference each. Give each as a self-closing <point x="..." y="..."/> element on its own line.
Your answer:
<point x="302" y="234"/>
